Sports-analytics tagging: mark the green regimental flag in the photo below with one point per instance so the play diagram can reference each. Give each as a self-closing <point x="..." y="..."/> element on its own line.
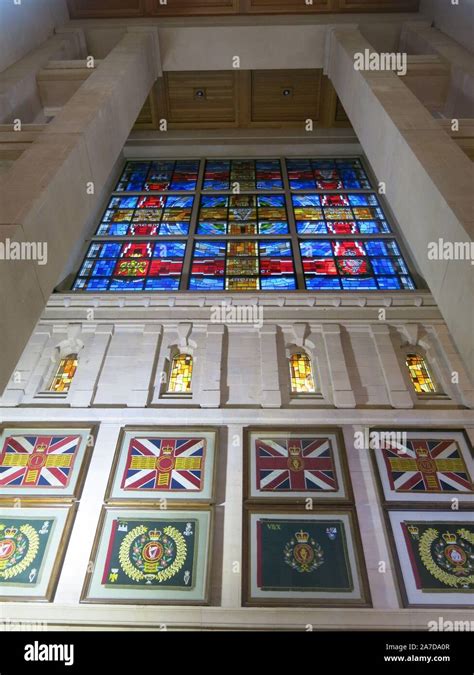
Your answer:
<point x="441" y="555"/>
<point x="23" y="545"/>
<point x="302" y="555"/>
<point x="151" y="553"/>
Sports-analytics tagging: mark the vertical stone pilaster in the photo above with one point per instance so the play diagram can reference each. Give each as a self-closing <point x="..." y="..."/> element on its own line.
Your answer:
<point x="341" y="385"/>
<point x="211" y="368"/>
<point x="232" y="562"/>
<point x="397" y="390"/>
<point x="271" y="392"/>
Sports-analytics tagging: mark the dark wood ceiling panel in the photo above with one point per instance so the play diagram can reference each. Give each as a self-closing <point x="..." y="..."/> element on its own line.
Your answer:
<point x="285" y="95"/>
<point x="84" y="9"/>
<point x="289" y="6"/>
<point x="378" y="5"/>
<point x="242" y="99"/>
<point x="105" y="9"/>
<point x="192" y="7"/>
<point x="201" y="97"/>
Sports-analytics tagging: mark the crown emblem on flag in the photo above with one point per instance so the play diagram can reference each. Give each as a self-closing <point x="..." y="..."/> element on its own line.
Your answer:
<point x="449" y="537"/>
<point x="167" y="450"/>
<point x="422" y="452"/>
<point x="413" y="530"/>
<point x="294" y="450"/>
<point x="302" y="537"/>
<point x="10" y="532"/>
<point x="41" y="447"/>
<point x="154" y="534"/>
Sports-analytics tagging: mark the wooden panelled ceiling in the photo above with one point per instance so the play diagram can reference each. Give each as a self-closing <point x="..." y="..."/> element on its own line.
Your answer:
<point x="106" y="9"/>
<point x="242" y="99"/>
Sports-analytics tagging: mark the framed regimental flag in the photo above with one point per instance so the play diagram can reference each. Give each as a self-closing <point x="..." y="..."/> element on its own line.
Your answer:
<point x="294" y="464"/>
<point x="144" y="556"/>
<point x="434" y="551"/>
<point x="33" y="541"/>
<point x="425" y="466"/>
<point x="47" y="462"/>
<point x="296" y="558"/>
<point x="156" y="463"/>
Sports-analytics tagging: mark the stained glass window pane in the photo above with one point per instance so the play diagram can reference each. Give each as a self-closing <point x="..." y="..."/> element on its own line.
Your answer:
<point x="351" y="264"/>
<point x="159" y="176"/>
<point x="146" y="216"/>
<point x="341" y="213"/>
<point x="301" y="374"/>
<point x="244" y="174"/>
<point x="132" y="266"/>
<point x="419" y="374"/>
<point x="242" y="215"/>
<point x="64" y="374"/>
<point x="327" y="174"/>
<point x="245" y="265"/>
<point x="181" y="374"/>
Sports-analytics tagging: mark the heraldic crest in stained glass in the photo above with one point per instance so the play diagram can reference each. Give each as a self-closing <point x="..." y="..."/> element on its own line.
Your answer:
<point x="171" y="464"/>
<point x="441" y="555"/>
<point x="38" y="461"/>
<point x="151" y="553"/>
<point x="295" y="464"/>
<point x="23" y="544"/>
<point x="427" y="466"/>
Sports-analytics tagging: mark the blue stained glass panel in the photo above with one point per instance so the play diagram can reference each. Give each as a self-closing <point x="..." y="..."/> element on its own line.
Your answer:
<point x="197" y="283"/>
<point x="282" y="283"/>
<point x="210" y="249"/>
<point x="354" y="265"/>
<point x="275" y="248"/>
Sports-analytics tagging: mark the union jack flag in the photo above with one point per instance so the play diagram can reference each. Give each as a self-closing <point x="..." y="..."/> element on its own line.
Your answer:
<point x="427" y="466"/>
<point x="295" y="464"/>
<point x="38" y="461"/>
<point x="175" y="464"/>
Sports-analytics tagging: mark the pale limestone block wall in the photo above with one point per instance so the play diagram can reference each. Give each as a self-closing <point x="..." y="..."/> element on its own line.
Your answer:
<point x="355" y="364"/>
<point x="28" y="25"/>
<point x="127" y="369"/>
<point x="427" y="176"/>
<point x="243" y="367"/>
<point x="45" y="191"/>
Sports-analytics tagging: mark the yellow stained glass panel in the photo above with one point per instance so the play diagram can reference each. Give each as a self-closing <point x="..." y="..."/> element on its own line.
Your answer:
<point x="181" y="374"/>
<point x="419" y="374"/>
<point x="64" y="374"/>
<point x="301" y="373"/>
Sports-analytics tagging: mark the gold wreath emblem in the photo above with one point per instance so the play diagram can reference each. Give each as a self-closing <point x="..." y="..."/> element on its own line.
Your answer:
<point x="33" y="546"/>
<point x="135" y="574"/>
<point x="426" y="540"/>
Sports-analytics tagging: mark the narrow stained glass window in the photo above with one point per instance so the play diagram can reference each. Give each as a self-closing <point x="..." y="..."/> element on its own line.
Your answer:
<point x="181" y="374"/>
<point x="301" y="374"/>
<point x="419" y="374"/>
<point x="64" y="374"/>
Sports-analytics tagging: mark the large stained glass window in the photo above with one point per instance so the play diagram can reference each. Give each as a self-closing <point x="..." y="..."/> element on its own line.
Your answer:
<point x="419" y="374"/>
<point x="313" y="224"/>
<point x="63" y="376"/>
